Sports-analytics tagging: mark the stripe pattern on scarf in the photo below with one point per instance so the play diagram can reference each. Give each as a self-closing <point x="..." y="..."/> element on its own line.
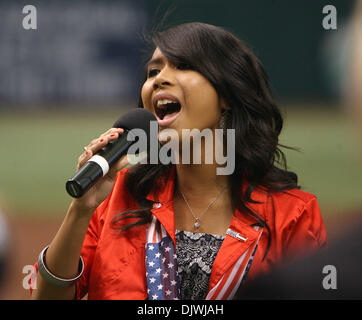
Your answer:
<point x="229" y="283"/>
<point x="161" y="264"/>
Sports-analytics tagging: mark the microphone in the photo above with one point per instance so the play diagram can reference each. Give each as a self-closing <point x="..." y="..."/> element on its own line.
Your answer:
<point x="98" y="166"/>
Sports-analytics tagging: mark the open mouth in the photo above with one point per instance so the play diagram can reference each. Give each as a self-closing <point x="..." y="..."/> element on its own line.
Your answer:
<point x="166" y="109"/>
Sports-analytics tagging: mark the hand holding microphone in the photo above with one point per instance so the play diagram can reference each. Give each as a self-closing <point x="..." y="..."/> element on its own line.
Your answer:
<point x="102" y="187"/>
<point x="104" y="157"/>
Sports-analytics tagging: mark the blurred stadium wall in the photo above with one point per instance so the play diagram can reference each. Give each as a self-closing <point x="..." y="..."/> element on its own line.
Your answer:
<point x="82" y="52"/>
<point x="90" y="52"/>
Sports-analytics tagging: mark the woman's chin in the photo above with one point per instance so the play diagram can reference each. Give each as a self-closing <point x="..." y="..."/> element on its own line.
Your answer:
<point x="167" y="134"/>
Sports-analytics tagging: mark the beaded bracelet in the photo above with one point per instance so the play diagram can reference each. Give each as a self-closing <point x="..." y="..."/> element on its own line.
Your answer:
<point x="51" y="278"/>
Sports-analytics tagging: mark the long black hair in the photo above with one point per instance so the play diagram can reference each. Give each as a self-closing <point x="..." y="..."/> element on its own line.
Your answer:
<point x="241" y="81"/>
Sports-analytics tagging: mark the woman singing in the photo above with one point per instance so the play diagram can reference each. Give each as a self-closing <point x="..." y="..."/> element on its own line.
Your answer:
<point x="180" y="230"/>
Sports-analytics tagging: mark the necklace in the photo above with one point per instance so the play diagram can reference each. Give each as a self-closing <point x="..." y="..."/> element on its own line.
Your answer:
<point x="197" y="220"/>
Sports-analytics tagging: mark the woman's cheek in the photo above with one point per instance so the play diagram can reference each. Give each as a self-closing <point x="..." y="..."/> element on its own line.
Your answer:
<point x="204" y="112"/>
<point x="146" y="96"/>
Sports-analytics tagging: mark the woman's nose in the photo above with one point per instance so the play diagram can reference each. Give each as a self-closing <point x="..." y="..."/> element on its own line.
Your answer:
<point x="162" y="79"/>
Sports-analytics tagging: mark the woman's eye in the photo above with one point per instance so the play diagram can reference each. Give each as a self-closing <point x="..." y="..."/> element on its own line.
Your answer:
<point x="152" y="72"/>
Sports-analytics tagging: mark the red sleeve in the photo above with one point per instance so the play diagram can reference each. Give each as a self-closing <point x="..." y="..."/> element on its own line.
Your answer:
<point x="306" y="232"/>
<point x="89" y="247"/>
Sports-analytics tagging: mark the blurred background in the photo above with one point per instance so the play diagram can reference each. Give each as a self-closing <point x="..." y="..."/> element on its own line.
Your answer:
<point x="66" y="82"/>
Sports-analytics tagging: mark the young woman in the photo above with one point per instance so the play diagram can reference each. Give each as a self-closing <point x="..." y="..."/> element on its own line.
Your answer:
<point x="181" y="231"/>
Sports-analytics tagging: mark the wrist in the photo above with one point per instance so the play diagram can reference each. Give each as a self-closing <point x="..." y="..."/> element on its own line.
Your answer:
<point x="77" y="206"/>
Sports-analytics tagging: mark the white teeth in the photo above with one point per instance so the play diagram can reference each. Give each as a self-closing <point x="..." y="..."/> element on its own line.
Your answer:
<point x="163" y="102"/>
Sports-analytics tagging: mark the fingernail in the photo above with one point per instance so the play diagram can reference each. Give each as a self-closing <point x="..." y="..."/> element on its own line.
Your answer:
<point x="112" y="135"/>
<point x="101" y="140"/>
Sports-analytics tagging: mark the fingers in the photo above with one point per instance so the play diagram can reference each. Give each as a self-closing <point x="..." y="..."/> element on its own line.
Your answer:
<point x="97" y="144"/>
<point x="84" y="157"/>
<point x="110" y="135"/>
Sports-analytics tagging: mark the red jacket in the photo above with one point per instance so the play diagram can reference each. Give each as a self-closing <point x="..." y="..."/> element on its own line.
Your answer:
<point x="115" y="262"/>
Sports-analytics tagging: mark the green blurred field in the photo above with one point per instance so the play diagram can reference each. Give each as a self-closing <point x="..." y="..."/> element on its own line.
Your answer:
<point x="39" y="153"/>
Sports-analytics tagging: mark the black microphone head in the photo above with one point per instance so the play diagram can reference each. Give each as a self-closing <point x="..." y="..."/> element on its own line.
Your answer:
<point x="139" y="119"/>
<point x="135" y="119"/>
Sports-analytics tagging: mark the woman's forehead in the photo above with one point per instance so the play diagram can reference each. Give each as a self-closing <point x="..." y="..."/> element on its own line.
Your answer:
<point x="157" y="57"/>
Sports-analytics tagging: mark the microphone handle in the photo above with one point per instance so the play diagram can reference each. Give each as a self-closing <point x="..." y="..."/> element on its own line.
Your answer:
<point x="91" y="171"/>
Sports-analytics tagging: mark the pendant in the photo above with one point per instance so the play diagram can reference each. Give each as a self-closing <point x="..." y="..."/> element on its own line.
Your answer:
<point x="197" y="224"/>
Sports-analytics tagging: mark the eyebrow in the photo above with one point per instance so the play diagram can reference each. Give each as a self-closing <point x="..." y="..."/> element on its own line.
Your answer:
<point x="158" y="60"/>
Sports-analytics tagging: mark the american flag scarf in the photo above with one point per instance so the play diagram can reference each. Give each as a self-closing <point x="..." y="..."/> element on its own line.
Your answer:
<point x="161" y="267"/>
<point x="161" y="264"/>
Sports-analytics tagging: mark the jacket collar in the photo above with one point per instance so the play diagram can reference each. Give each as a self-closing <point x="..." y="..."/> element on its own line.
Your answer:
<point x="163" y="205"/>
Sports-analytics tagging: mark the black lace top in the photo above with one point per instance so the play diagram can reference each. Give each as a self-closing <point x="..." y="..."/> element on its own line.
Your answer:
<point x="196" y="253"/>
